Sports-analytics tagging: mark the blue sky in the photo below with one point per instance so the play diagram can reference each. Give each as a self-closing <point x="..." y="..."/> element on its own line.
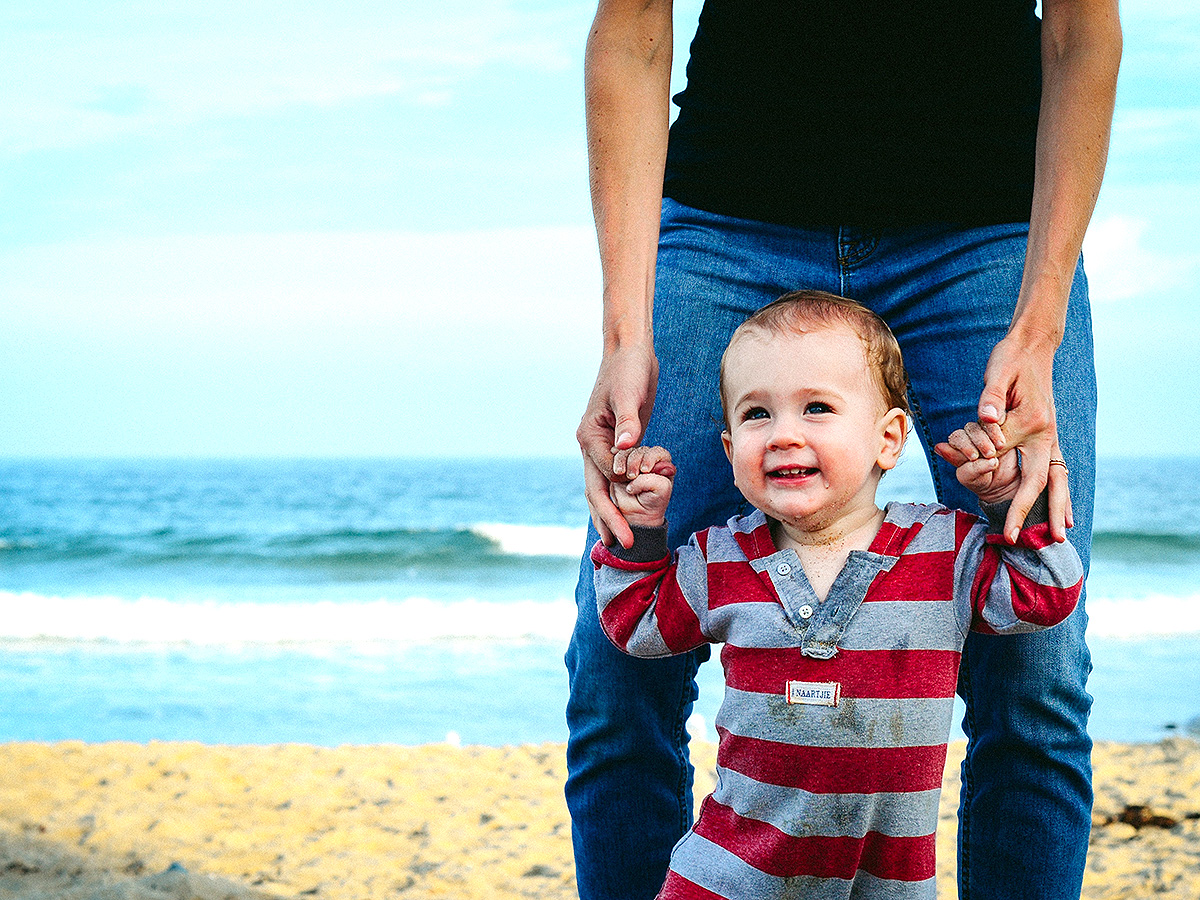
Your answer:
<point x="254" y="228"/>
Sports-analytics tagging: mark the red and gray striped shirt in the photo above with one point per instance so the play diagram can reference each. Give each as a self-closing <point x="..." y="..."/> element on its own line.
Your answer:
<point x="836" y="714"/>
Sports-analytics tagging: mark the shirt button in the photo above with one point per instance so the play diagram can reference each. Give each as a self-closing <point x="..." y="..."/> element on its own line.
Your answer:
<point x="806" y="611"/>
<point x="784" y="569"/>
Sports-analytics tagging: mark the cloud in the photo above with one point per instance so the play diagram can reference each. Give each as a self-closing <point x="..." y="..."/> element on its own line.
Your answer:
<point x="1123" y="265"/>
<point x="299" y="343"/>
<point x="1157" y="10"/>
<point x="1141" y="133"/>
<point x="502" y="278"/>
<point x="69" y="73"/>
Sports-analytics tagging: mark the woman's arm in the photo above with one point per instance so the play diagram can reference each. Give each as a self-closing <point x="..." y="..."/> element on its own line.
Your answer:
<point x="1081" y="52"/>
<point x="627" y="84"/>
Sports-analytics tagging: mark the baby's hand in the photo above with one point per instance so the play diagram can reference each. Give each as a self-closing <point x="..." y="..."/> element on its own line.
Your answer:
<point x="642" y="498"/>
<point x="992" y="474"/>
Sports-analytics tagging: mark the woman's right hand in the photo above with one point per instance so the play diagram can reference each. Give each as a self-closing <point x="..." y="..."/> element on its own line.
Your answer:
<point x="615" y="419"/>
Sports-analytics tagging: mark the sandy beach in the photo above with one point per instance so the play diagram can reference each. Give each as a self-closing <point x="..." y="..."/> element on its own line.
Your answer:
<point x="187" y="821"/>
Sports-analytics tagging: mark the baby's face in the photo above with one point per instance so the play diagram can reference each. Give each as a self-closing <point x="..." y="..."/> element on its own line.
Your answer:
<point x="809" y="432"/>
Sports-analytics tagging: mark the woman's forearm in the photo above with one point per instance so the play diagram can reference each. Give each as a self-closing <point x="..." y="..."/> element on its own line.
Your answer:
<point x="627" y="79"/>
<point x="1081" y="51"/>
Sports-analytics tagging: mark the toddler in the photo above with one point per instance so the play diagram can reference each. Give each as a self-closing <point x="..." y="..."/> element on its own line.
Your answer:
<point x="843" y="623"/>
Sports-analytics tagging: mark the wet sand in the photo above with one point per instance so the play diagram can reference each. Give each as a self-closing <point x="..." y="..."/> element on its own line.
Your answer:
<point x="181" y="821"/>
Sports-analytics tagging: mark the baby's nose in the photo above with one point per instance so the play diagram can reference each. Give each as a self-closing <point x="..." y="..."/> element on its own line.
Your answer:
<point x="787" y="433"/>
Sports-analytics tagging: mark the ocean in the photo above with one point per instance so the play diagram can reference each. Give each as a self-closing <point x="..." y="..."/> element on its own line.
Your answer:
<point x="412" y="601"/>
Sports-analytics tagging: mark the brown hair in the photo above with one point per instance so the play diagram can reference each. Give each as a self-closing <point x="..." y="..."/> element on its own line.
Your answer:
<point x="798" y="312"/>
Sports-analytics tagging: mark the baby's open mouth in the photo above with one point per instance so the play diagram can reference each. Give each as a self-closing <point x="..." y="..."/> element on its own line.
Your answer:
<point x="792" y="472"/>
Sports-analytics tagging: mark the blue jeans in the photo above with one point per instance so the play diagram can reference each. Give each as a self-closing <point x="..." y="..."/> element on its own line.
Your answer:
<point x="948" y="294"/>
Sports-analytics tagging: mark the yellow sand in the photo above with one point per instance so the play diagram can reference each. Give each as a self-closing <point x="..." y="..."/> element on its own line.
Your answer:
<point x="106" y="821"/>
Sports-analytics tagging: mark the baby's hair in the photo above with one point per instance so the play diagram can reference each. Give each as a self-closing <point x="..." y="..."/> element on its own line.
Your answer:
<point x="799" y="312"/>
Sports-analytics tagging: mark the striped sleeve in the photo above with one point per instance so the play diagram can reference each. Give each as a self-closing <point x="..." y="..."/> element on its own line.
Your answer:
<point x="1015" y="588"/>
<point x="653" y="608"/>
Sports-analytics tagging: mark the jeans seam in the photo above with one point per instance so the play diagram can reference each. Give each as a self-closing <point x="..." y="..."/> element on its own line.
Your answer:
<point x="914" y="406"/>
<point x="967" y="792"/>
<point x="681" y="745"/>
<point x="854" y="248"/>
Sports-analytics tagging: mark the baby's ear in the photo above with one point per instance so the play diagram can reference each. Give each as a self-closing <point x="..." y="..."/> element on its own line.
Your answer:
<point x="727" y="443"/>
<point x="893" y="430"/>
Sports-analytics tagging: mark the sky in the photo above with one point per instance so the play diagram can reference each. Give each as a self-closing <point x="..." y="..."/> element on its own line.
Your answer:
<point x="263" y="229"/>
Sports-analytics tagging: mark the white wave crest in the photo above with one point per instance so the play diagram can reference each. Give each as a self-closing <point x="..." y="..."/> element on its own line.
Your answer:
<point x="27" y="616"/>
<point x="1155" y="614"/>
<point x="534" y="540"/>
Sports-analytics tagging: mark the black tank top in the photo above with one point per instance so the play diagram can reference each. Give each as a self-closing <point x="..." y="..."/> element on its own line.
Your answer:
<point x="866" y="112"/>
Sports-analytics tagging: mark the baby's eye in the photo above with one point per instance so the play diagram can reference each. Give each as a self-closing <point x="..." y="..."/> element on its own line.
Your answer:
<point x="817" y="408"/>
<point x="755" y="412"/>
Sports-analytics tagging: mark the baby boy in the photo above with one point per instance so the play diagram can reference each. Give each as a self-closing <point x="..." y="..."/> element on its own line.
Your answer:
<point x="843" y="623"/>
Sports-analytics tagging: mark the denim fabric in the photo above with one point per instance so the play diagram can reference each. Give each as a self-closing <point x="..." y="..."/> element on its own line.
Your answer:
<point x="948" y="294"/>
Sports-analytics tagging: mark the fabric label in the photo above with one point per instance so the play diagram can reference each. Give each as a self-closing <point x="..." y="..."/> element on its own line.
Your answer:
<point x="814" y="693"/>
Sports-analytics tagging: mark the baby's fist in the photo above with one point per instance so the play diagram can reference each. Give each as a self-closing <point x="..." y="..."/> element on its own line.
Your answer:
<point x="643" y="497"/>
<point x="991" y="474"/>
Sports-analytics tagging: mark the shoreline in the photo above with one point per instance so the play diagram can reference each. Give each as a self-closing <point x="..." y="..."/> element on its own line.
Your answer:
<point x="190" y="821"/>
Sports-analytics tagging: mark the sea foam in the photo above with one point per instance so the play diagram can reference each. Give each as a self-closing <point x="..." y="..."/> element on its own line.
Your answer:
<point x="1155" y="614"/>
<point x="534" y="540"/>
<point x="27" y="616"/>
